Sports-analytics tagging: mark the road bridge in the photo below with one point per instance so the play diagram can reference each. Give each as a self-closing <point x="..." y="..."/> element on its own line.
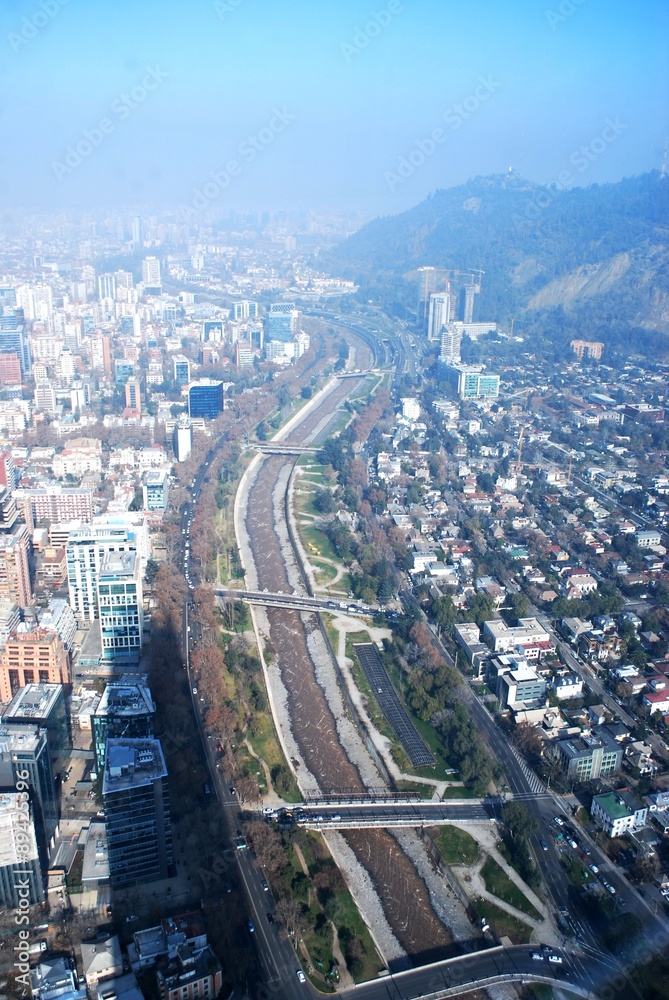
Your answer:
<point x="296" y="602"/>
<point x="283" y="449"/>
<point x="399" y="814"/>
<point x="478" y="970"/>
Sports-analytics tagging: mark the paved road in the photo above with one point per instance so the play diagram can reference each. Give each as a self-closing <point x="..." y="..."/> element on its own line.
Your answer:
<point x="496" y="965"/>
<point x="413" y="814"/>
<point x="299" y="602"/>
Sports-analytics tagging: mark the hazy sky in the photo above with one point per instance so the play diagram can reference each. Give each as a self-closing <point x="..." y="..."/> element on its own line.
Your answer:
<point x="315" y="102"/>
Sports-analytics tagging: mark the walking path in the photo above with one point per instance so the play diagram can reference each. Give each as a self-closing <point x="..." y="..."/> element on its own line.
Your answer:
<point x="473" y="883"/>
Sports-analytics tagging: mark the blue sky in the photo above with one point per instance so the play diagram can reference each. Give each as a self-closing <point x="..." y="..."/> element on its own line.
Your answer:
<point x="358" y="86"/>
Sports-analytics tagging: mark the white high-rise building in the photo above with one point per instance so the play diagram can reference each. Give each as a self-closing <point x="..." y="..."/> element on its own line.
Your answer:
<point x="451" y="339"/>
<point x="45" y="397"/>
<point x="439" y="315"/>
<point x="182" y="441"/>
<point x="106" y="286"/>
<point x="65" y="367"/>
<point x="137" y="233"/>
<point x="151" y="271"/>
<point x="85" y="550"/>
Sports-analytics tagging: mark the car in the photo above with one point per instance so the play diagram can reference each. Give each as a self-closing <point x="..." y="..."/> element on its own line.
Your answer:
<point x="664" y="892"/>
<point x="301" y="978"/>
<point x="194" y="690"/>
<point x="555" y="959"/>
<point x="572" y="843"/>
<point x="250" y="926"/>
<point x="594" y="869"/>
<point x="270" y="918"/>
<point x="544" y="845"/>
<point x="537" y="956"/>
<point x="610" y="888"/>
<point x="131" y="918"/>
<point x="265" y="887"/>
<point x="232" y="790"/>
<point x="559" y="821"/>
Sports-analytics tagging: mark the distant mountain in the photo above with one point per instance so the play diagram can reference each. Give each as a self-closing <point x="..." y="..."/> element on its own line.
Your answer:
<point x="592" y="261"/>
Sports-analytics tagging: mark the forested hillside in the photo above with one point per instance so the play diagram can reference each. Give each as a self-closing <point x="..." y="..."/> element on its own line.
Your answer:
<point x="593" y="260"/>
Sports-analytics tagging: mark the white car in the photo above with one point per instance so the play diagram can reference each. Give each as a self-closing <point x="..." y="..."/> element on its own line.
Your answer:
<point x="594" y="869"/>
<point x="301" y="976"/>
<point x="555" y="959"/>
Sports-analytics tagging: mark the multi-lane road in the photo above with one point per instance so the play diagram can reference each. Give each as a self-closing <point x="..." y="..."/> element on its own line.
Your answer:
<point x="357" y="815"/>
<point x="585" y="975"/>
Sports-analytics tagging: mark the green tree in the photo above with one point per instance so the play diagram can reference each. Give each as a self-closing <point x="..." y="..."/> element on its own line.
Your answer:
<point x="519" y="822"/>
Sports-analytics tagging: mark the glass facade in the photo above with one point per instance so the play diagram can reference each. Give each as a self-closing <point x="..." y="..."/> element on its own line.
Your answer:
<point x="120" y="620"/>
<point x="205" y="400"/>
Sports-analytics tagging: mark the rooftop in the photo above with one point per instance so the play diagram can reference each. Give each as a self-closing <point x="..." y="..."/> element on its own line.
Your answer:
<point x="20" y="738"/>
<point x="33" y="701"/>
<point x="615" y="805"/>
<point x="132" y="763"/>
<point x="126" y="699"/>
<point x="118" y="564"/>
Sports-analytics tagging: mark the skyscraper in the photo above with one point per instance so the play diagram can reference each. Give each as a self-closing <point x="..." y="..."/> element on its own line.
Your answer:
<point x="439" y="314"/>
<point x="120" y="607"/>
<point x="125" y="711"/>
<point x="133" y="395"/>
<point x="281" y="322"/>
<point x="14" y="571"/>
<point x="151" y="272"/>
<point x="181" y="369"/>
<point x="137" y="812"/>
<point x="451" y="339"/>
<point x="182" y="439"/>
<point x="106" y="286"/>
<point x="20" y="868"/>
<point x="137" y="233"/>
<point x="25" y="767"/>
<point x="85" y="550"/>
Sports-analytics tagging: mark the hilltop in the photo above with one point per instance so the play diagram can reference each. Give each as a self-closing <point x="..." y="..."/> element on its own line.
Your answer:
<point x="592" y="261"/>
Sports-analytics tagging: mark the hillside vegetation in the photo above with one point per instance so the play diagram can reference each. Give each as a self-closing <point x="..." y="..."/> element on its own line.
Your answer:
<point x="588" y="261"/>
